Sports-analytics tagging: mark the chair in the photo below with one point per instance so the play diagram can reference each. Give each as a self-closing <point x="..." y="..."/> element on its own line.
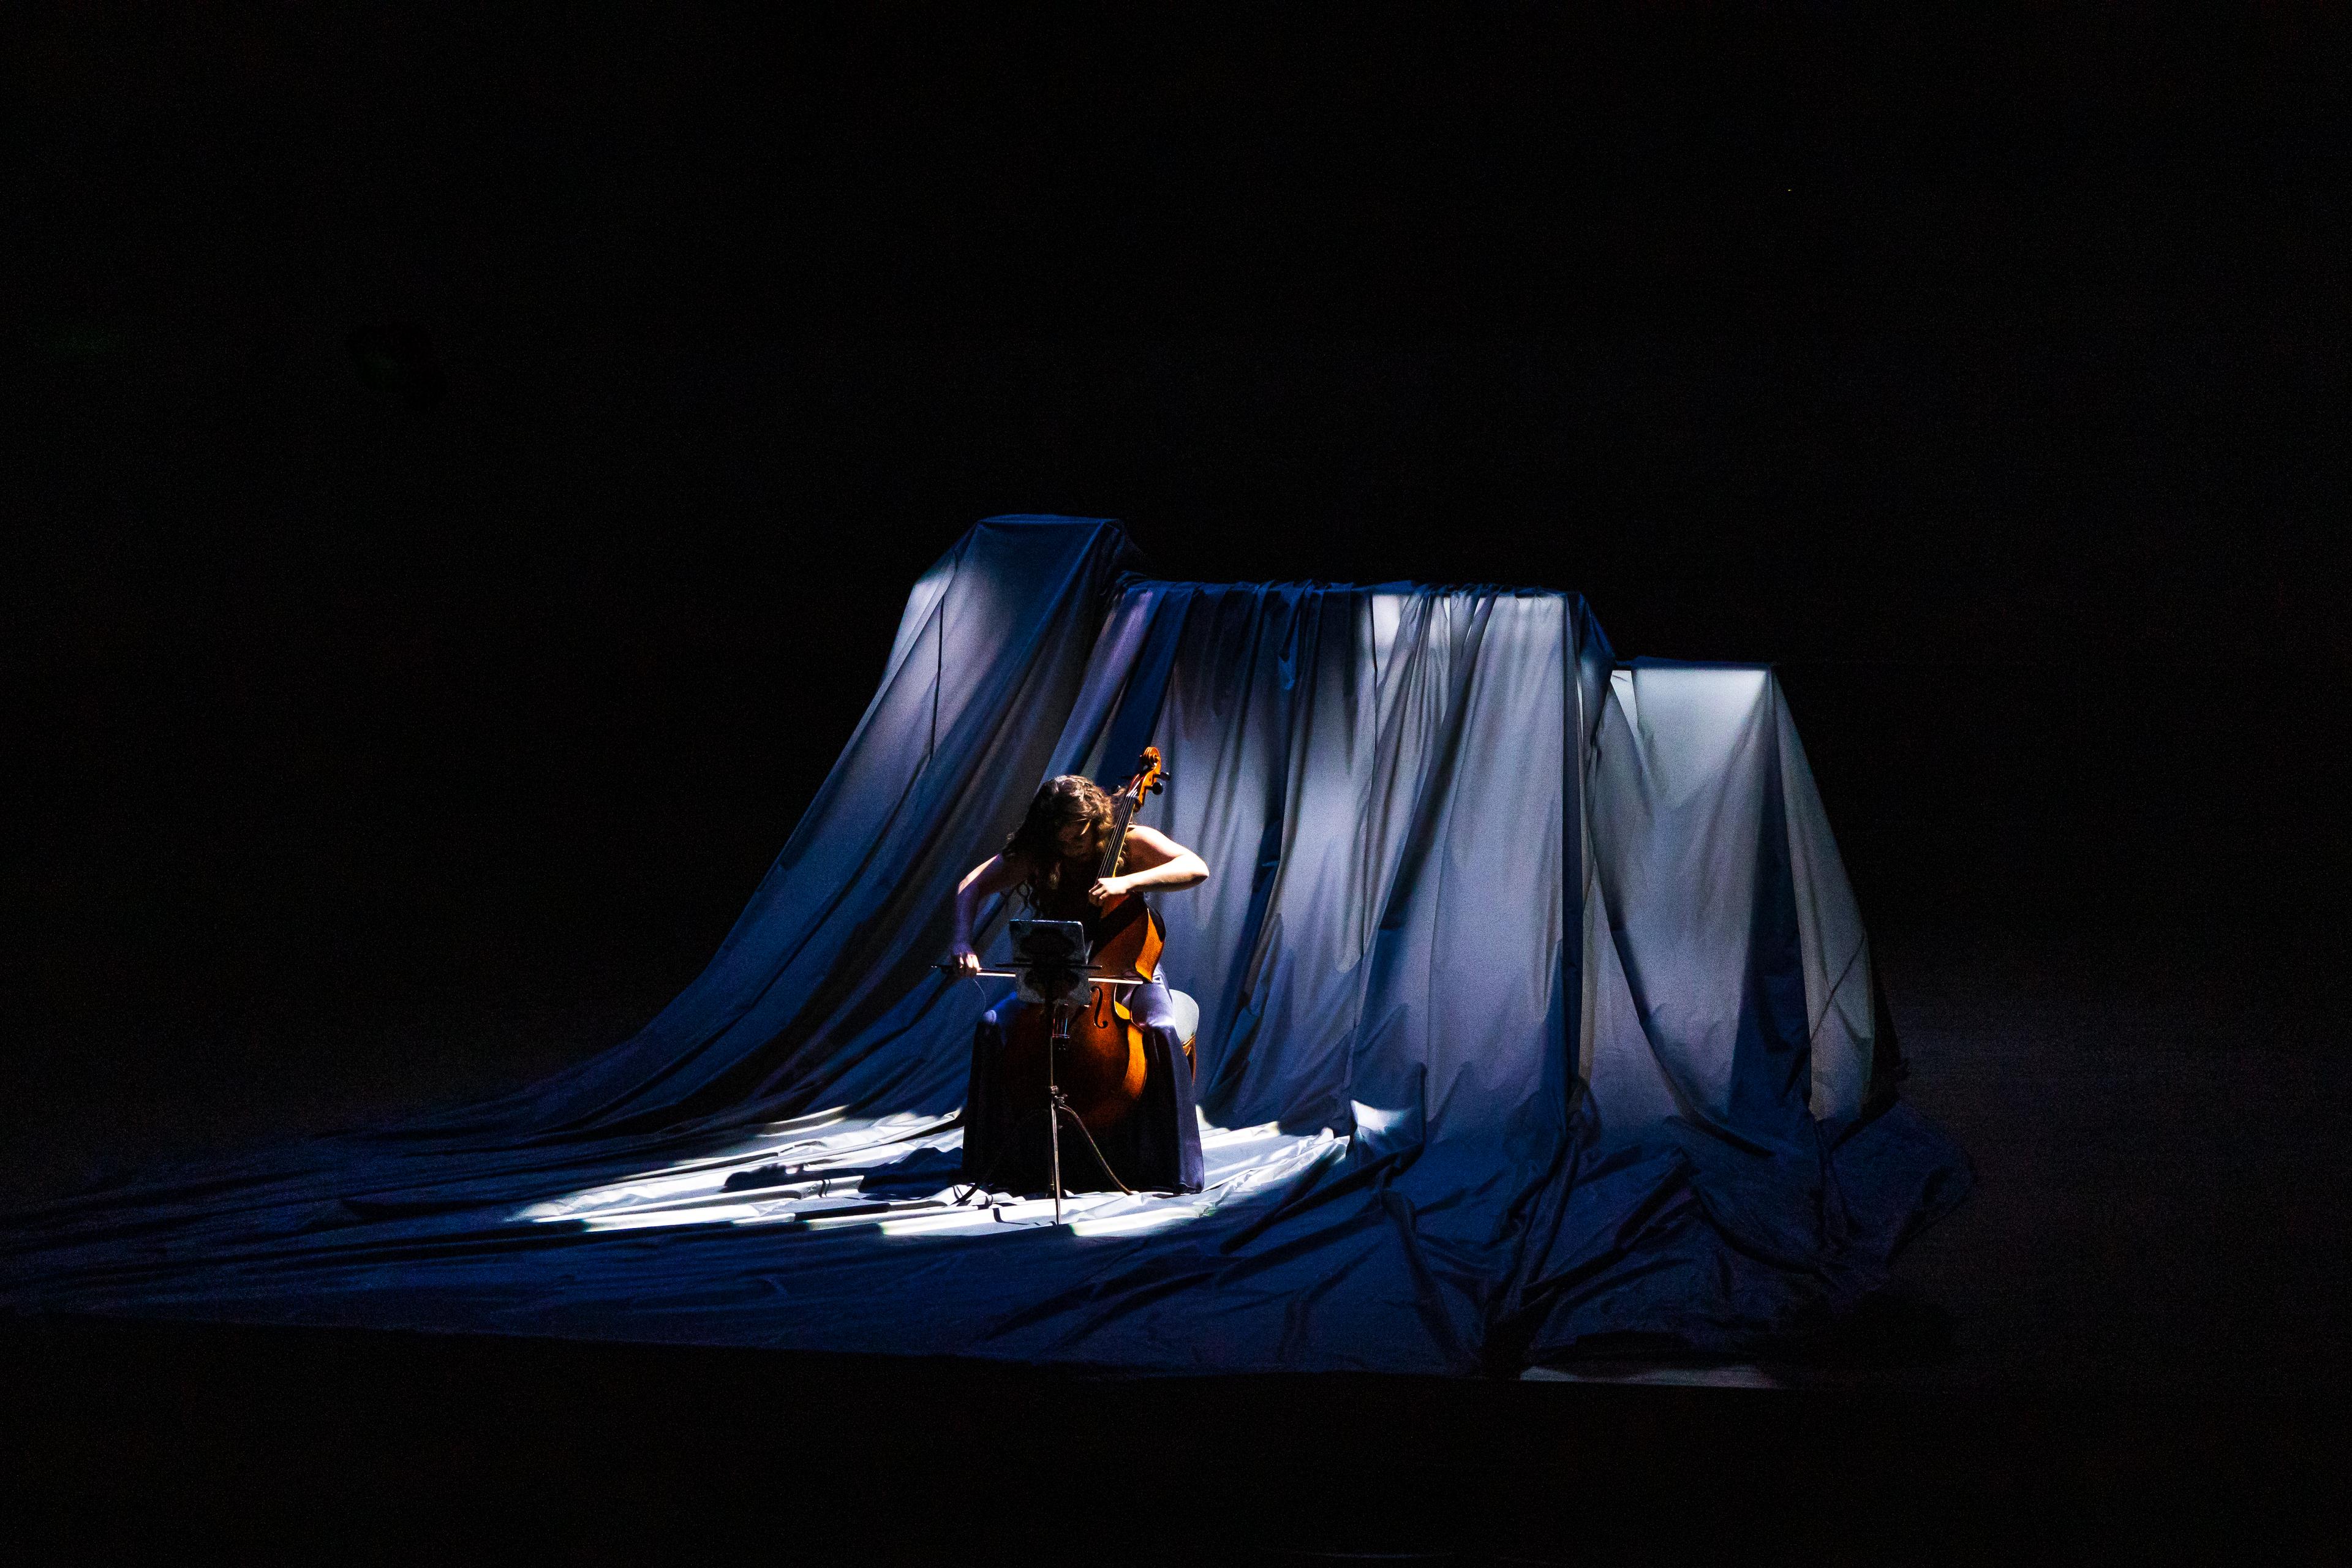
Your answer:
<point x="1186" y="1016"/>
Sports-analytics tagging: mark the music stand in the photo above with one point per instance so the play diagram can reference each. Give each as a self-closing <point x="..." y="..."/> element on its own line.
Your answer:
<point x="1049" y="965"/>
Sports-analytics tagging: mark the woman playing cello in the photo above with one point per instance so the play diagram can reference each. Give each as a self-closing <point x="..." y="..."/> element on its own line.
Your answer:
<point x="1058" y="861"/>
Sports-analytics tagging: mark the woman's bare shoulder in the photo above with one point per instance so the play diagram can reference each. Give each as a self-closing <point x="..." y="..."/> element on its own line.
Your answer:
<point x="1154" y="843"/>
<point x="1001" y="870"/>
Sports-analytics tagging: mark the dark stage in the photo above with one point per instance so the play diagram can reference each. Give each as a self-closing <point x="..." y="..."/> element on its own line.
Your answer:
<point x="468" y="465"/>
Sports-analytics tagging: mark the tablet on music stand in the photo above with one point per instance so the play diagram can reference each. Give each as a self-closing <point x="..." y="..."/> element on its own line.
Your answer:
<point x="1046" y="943"/>
<point x="1050" y="956"/>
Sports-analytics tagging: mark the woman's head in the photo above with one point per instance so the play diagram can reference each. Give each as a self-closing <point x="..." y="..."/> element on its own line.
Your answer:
<point x="1066" y="821"/>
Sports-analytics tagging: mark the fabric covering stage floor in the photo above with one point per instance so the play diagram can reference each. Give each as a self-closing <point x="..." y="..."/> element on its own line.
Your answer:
<point x="1537" y="1015"/>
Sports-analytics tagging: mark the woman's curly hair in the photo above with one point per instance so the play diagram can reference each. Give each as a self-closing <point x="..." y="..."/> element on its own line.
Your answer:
<point x="1058" y="803"/>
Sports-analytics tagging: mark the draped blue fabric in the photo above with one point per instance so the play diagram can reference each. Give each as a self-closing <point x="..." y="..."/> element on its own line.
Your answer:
<point x="1534" y="1012"/>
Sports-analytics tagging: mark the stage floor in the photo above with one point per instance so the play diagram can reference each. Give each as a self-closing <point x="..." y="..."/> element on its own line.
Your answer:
<point x="268" y="1441"/>
<point x="2154" y="1116"/>
<point x="2133" y="1332"/>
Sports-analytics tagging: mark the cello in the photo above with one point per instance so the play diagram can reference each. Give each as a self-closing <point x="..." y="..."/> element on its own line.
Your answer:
<point x="1084" y="1046"/>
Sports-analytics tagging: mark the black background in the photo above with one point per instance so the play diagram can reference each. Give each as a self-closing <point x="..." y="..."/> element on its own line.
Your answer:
<point x="1990" y="377"/>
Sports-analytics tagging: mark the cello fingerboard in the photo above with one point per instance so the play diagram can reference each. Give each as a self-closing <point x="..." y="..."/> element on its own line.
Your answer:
<point x="1114" y="841"/>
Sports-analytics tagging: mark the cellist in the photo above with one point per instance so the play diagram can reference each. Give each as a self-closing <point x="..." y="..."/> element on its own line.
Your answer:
<point x="1053" y="861"/>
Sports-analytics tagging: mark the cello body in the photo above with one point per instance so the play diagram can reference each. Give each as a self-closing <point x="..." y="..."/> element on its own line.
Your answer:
<point x="1097" y="1046"/>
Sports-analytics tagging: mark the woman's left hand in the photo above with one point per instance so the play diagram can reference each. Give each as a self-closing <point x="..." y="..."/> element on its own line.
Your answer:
<point x="1104" y="889"/>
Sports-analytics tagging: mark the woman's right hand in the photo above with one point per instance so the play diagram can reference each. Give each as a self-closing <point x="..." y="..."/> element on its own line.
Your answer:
<point x="966" y="962"/>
